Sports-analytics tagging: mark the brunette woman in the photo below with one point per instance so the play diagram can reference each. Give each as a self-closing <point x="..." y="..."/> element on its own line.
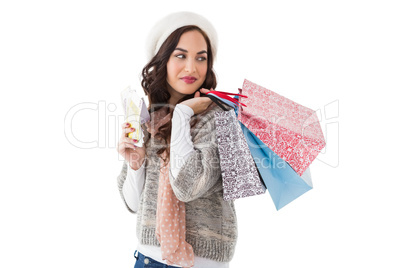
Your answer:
<point x="174" y="181"/>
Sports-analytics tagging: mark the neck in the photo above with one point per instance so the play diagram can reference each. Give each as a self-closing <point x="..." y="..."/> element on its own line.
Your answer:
<point x="174" y="96"/>
<point x="172" y="102"/>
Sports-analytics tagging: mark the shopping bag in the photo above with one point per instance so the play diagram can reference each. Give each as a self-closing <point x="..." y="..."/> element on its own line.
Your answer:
<point x="283" y="183"/>
<point x="289" y="129"/>
<point x="239" y="173"/>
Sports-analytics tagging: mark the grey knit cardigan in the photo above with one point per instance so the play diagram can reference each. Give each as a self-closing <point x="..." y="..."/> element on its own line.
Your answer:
<point x="210" y="221"/>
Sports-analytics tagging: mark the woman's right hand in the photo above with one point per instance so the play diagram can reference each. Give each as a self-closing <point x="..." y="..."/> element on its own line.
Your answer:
<point x="133" y="154"/>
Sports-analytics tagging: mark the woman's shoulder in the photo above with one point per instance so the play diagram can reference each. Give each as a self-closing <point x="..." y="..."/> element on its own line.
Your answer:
<point x="206" y="116"/>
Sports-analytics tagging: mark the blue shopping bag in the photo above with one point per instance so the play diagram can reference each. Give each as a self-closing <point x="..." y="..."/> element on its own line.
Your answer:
<point x="283" y="183"/>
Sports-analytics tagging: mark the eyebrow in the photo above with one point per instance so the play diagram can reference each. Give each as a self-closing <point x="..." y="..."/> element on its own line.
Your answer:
<point x="181" y="49"/>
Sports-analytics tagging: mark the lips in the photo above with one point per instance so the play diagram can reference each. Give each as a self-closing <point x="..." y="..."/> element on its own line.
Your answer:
<point x="189" y="79"/>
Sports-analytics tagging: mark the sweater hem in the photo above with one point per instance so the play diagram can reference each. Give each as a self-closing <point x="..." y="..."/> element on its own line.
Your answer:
<point x="216" y="250"/>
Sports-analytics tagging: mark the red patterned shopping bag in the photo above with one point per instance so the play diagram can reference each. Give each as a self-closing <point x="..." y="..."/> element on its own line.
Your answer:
<point x="289" y="129"/>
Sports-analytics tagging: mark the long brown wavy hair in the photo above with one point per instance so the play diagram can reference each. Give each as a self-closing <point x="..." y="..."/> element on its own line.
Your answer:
<point x="154" y="82"/>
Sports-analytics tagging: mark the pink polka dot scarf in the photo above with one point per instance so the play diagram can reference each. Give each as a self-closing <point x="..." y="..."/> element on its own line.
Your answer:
<point x="171" y="224"/>
<point x="170" y="212"/>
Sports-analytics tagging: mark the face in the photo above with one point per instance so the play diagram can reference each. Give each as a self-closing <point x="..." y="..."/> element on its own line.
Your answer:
<point x="187" y="66"/>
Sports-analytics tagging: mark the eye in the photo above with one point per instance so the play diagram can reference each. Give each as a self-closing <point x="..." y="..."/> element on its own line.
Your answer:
<point x="202" y="58"/>
<point x="181" y="56"/>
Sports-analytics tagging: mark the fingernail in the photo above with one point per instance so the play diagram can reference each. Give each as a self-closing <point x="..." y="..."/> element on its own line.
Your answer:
<point x="135" y="140"/>
<point x="128" y="124"/>
<point x="132" y="129"/>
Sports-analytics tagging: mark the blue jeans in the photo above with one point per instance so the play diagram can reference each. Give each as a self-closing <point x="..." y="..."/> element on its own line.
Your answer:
<point x="146" y="262"/>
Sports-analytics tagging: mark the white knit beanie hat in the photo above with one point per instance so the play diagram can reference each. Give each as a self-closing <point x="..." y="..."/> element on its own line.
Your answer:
<point x="167" y="25"/>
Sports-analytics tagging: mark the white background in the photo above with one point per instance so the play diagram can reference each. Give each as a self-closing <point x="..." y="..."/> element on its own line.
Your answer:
<point x="60" y="206"/>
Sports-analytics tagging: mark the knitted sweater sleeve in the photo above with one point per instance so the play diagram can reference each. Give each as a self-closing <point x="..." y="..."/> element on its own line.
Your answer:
<point x="200" y="174"/>
<point x="120" y="182"/>
<point x="123" y="184"/>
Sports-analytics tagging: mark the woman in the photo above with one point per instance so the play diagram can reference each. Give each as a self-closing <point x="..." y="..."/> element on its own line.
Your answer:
<point x="174" y="181"/>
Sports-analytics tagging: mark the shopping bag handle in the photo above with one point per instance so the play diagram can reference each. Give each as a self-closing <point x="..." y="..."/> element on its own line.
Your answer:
<point x="216" y="100"/>
<point x="233" y="100"/>
<point x="227" y="93"/>
<point x="225" y="96"/>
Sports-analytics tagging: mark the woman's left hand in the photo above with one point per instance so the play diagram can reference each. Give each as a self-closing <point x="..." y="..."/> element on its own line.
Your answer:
<point x="198" y="104"/>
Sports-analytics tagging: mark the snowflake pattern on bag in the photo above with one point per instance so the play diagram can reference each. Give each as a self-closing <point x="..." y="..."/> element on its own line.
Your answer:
<point x="291" y="130"/>
<point x="239" y="173"/>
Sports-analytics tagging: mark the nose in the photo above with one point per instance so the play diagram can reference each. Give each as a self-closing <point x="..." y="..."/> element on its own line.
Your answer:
<point x="190" y="66"/>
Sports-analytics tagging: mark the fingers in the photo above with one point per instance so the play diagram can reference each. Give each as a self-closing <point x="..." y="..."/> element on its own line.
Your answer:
<point x="127" y="147"/>
<point x="127" y="143"/>
<point x="130" y="145"/>
<point x="204" y="90"/>
<point x="128" y="140"/>
<point x="126" y="127"/>
<point x="125" y="124"/>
